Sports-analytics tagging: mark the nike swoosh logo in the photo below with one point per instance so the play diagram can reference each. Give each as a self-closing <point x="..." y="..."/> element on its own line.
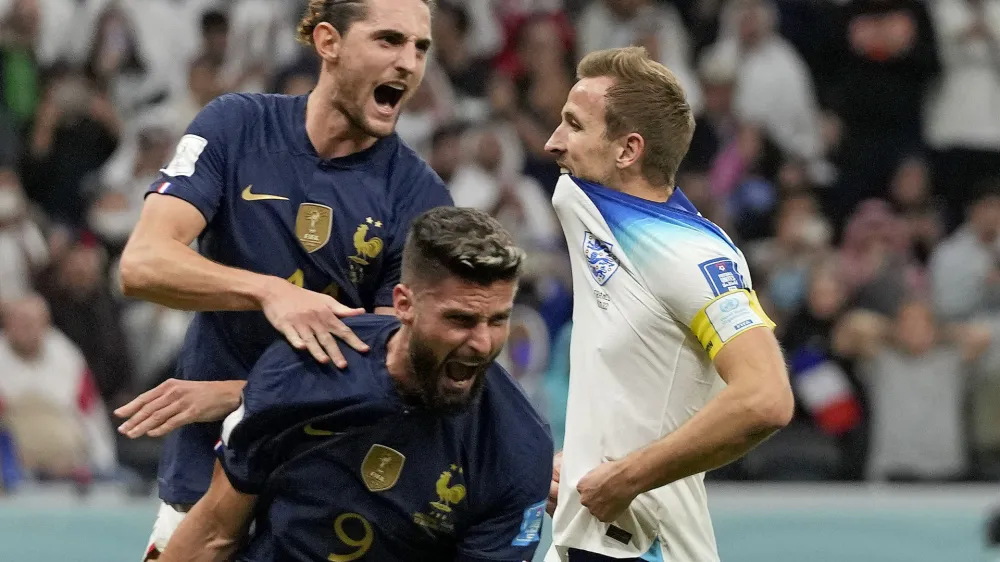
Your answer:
<point x="310" y="430"/>
<point x="249" y="196"/>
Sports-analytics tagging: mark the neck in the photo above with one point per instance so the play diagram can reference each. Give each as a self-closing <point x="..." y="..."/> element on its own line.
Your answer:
<point x="643" y="189"/>
<point x="328" y="129"/>
<point x="397" y="355"/>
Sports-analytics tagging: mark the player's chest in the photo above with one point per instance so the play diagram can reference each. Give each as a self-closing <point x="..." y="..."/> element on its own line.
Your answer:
<point x="413" y="485"/>
<point x="339" y="219"/>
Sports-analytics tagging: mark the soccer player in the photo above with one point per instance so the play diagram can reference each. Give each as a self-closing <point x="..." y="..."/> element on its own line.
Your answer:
<point x="300" y="206"/>
<point x="664" y="308"/>
<point x="424" y="449"/>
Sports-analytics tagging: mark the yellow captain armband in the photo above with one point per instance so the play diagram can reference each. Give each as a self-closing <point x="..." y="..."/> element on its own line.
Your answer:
<point x="727" y="316"/>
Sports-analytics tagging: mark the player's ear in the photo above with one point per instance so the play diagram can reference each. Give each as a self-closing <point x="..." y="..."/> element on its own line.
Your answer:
<point x="402" y="301"/>
<point x="327" y="41"/>
<point x="630" y="150"/>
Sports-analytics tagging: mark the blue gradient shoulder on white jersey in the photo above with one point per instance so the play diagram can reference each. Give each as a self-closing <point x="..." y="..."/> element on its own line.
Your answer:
<point x="633" y="220"/>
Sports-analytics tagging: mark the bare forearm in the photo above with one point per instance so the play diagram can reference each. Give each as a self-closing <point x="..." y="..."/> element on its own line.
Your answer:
<point x="198" y="540"/>
<point x="728" y="427"/>
<point x="174" y="275"/>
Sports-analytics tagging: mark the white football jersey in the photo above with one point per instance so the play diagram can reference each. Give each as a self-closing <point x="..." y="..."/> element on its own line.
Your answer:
<point x="658" y="290"/>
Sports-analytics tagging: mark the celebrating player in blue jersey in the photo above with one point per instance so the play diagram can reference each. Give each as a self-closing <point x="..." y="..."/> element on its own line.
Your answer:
<point x="300" y="206"/>
<point x="422" y="450"/>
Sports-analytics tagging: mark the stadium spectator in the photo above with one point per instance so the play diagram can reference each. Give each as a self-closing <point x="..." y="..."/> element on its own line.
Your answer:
<point x="52" y="407"/>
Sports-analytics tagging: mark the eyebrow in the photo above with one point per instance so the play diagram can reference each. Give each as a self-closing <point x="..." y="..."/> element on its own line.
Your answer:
<point x="465" y="315"/>
<point x="398" y="37"/>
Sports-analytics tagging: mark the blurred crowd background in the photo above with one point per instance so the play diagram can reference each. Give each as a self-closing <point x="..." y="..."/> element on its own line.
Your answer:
<point x="851" y="148"/>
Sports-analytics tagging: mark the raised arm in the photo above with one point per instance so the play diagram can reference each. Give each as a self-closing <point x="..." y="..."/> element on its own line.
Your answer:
<point x="159" y="265"/>
<point x="213" y="529"/>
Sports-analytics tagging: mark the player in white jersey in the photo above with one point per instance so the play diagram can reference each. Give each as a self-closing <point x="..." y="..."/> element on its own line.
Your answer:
<point x="674" y="368"/>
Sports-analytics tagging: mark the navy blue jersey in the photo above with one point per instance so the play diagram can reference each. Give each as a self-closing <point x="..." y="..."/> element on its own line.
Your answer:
<point x="273" y="206"/>
<point x="344" y="469"/>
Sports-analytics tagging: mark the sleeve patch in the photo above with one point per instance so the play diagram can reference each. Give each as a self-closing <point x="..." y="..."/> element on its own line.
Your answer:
<point x="722" y="275"/>
<point x="189" y="149"/>
<point x="727" y="316"/>
<point x="531" y="525"/>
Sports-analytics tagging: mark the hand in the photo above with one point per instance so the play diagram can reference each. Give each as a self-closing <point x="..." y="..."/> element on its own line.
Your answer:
<point x="550" y="506"/>
<point x="176" y="403"/>
<point x="604" y="492"/>
<point x="307" y="318"/>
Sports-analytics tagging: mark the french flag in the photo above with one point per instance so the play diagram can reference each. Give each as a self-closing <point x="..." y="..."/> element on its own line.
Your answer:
<point x="162" y="188"/>
<point x="825" y="391"/>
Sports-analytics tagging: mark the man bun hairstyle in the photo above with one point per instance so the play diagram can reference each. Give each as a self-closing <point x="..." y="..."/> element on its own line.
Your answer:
<point x="459" y="242"/>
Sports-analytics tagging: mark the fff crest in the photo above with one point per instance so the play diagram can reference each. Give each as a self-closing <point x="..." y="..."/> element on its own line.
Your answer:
<point x="601" y="261"/>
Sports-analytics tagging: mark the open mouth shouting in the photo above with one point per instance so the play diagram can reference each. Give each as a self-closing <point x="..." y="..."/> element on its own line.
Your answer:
<point x="388" y="97"/>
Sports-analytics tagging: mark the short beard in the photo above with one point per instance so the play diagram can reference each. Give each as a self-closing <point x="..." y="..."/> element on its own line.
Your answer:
<point x="426" y="373"/>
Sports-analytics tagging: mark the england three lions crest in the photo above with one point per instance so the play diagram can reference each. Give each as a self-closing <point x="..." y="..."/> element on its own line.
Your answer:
<point x="601" y="261"/>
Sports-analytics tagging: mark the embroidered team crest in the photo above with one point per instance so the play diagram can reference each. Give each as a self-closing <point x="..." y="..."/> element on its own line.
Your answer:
<point x="381" y="467"/>
<point x="313" y="226"/>
<point x="599" y="257"/>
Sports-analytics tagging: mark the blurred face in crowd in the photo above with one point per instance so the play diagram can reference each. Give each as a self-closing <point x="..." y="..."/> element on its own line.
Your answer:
<point x="23" y="19"/>
<point x="448" y="37"/>
<point x="204" y="82"/>
<point x="25" y="324"/>
<point x="752" y="18"/>
<point x="915" y="328"/>
<point x="985" y="218"/>
<point x="111" y="219"/>
<point x="541" y="47"/>
<point x="12" y="203"/>
<point x="580" y="144"/>
<point x="447" y="155"/>
<point x="80" y="272"/>
<point x="910" y="183"/>
<point x="379" y="63"/>
<point x="826" y="293"/>
<point x="490" y="153"/>
<point x="457" y="328"/>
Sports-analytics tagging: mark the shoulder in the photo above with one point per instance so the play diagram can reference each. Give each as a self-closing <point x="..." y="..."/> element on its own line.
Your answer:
<point x="517" y="427"/>
<point x="288" y="377"/>
<point x="247" y="112"/>
<point x="413" y="177"/>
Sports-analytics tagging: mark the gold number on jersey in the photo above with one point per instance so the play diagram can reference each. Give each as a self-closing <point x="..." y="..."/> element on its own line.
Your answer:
<point x="361" y="545"/>
<point x="299" y="279"/>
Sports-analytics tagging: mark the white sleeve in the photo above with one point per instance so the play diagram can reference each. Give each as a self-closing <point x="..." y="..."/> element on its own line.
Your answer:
<point x="705" y="284"/>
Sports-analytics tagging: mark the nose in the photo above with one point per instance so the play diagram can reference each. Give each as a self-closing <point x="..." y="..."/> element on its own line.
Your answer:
<point x="407" y="60"/>
<point x="556" y="145"/>
<point x="480" y="340"/>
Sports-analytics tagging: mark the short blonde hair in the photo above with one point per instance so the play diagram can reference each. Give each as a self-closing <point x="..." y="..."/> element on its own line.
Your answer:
<point x="646" y="98"/>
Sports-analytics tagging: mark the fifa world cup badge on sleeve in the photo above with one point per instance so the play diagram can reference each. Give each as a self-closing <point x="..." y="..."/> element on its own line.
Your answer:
<point x="531" y="525"/>
<point x="722" y="275"/>
<point x="189" y="149"/>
